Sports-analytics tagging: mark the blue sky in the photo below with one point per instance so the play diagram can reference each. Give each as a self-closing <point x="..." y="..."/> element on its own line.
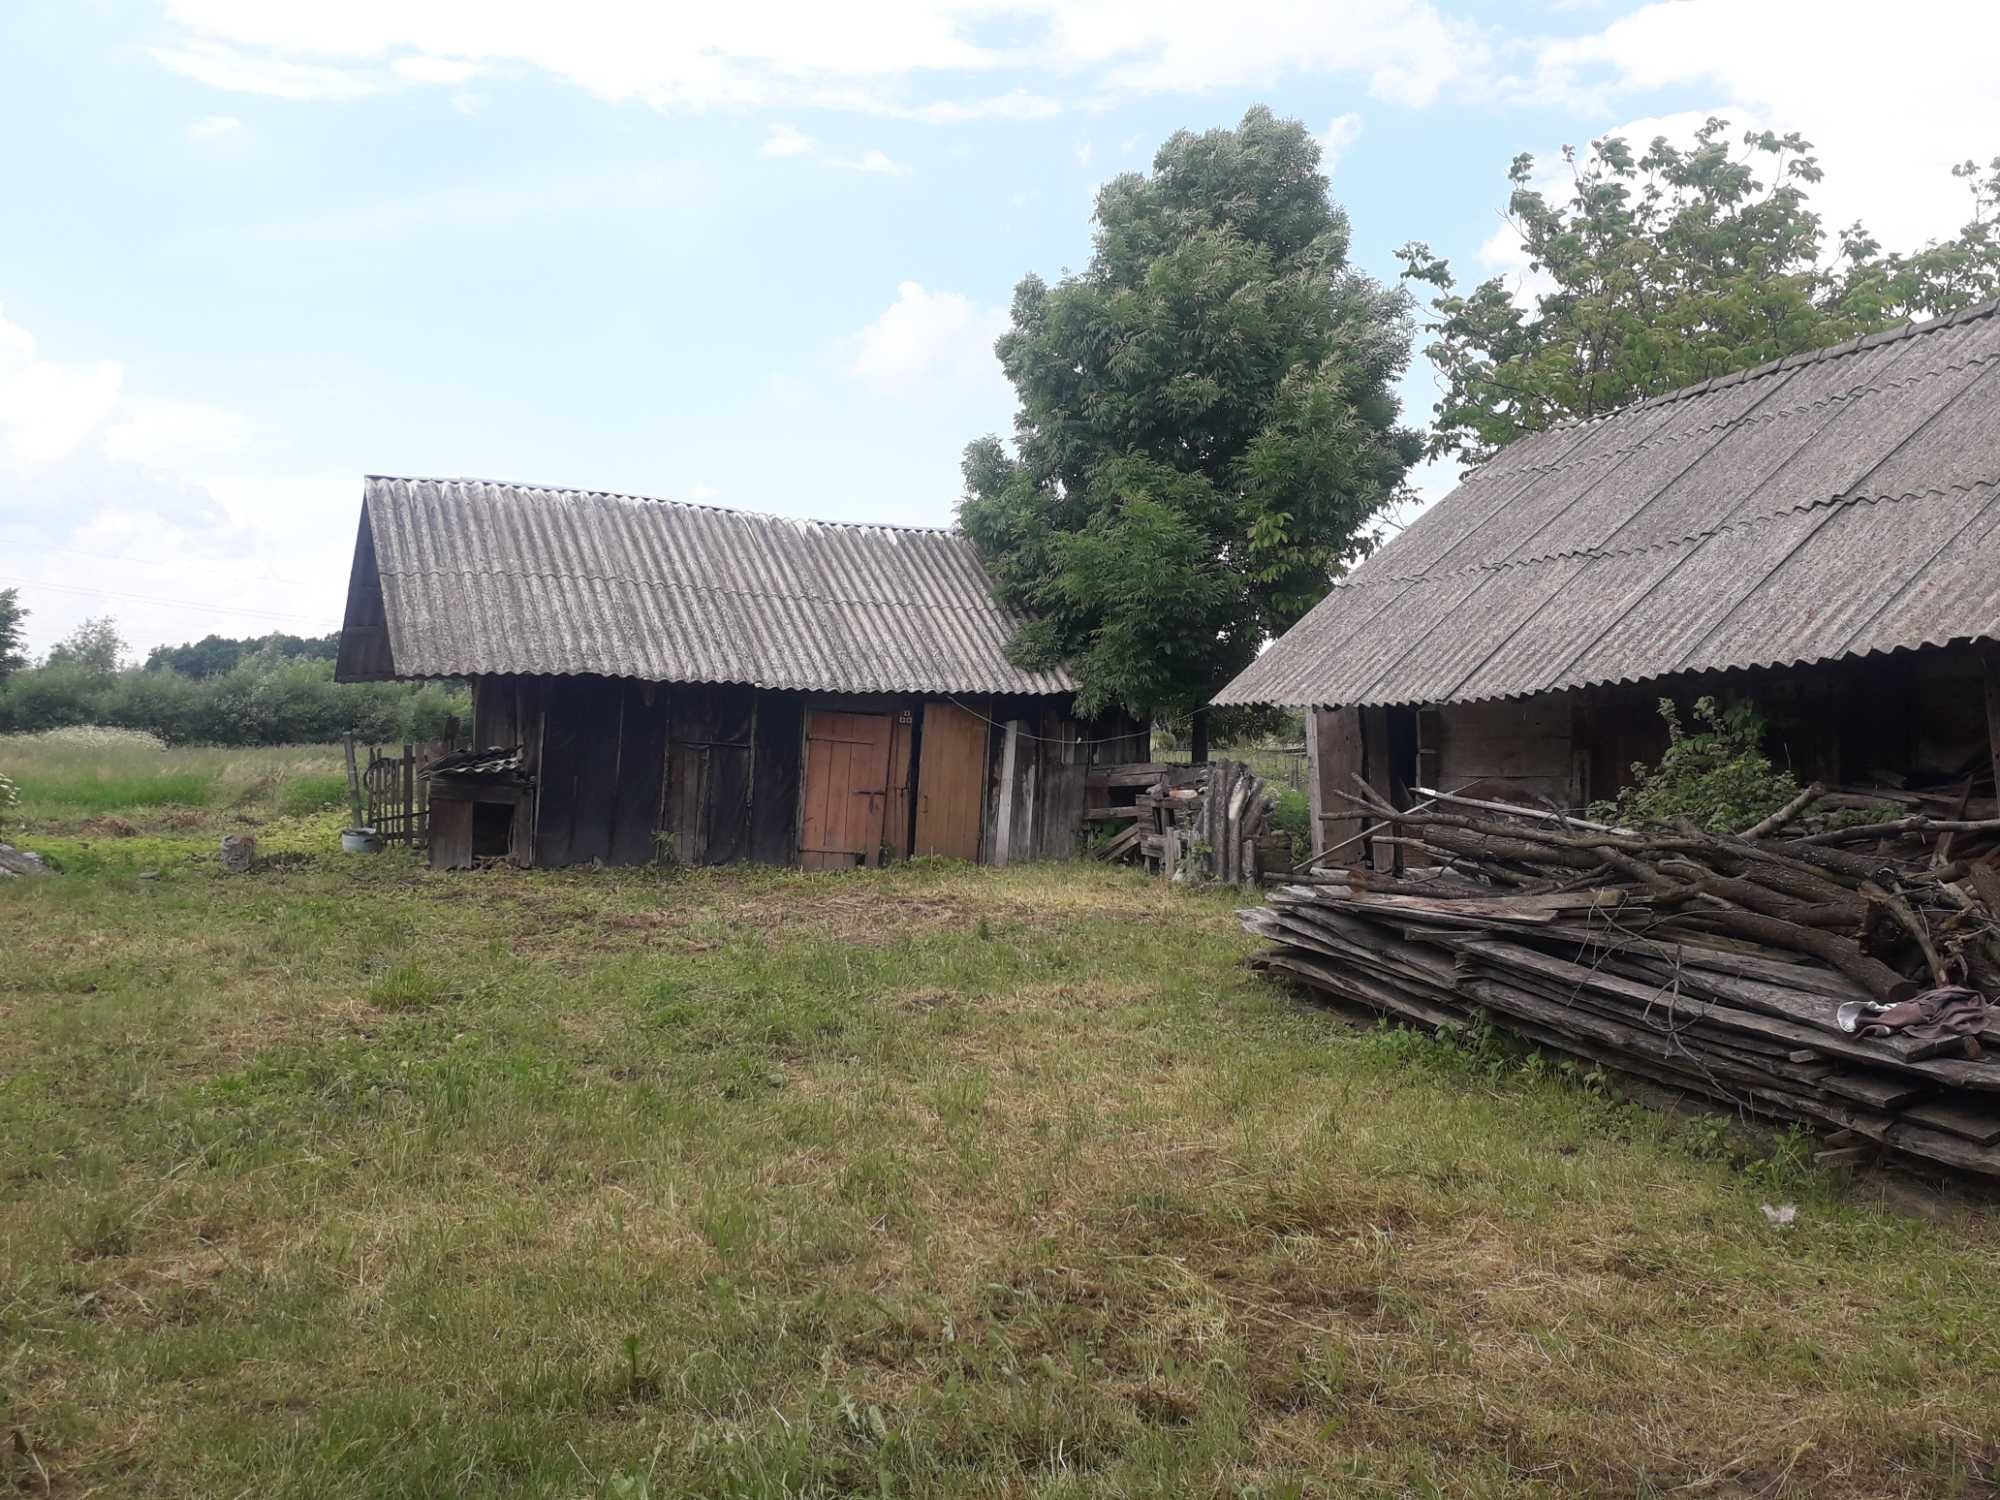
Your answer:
<point x="755" y="257"/>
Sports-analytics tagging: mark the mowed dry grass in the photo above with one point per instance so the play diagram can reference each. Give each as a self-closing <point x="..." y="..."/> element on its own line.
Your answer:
<point x="347" y="1179"/>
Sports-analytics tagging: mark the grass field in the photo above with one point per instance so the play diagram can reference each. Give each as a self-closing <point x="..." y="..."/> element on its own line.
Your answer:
<point x="343" y="1179"/>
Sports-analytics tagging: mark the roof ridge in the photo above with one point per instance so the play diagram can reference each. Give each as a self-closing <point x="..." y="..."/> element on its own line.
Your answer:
<point x="1910" y="328"/>
<point x="627" y="497"/>
<point x="1682" y="539"/>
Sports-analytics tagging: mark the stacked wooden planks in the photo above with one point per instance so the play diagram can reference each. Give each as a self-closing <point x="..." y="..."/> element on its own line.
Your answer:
<point x="1209" y="821"/>
<point x="1714" y="965"/>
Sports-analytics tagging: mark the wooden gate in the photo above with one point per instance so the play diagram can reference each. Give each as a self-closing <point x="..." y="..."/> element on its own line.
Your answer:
<point x="951" y="782"/>
<point x="389" y="791"/>
<point x="846" y="791"/>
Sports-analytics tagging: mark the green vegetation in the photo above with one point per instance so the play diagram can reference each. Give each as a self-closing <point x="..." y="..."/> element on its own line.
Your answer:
<point x="1207" y="422"/>
<point x="1717" y="775"/>
<point x="271" y="690"/>
<point x="344" y="1179"/>
<point x="1670" y="266"/>
<point x="121" y="783"/>
<point x="262" y="700"/>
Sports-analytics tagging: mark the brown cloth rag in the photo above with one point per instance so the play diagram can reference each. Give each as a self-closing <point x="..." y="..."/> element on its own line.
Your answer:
<point x="1933" y="1016"/>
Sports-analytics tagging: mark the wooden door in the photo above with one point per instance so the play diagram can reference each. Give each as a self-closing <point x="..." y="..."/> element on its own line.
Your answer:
<point x="951" y="782"/>
<point x="847" y="789"/>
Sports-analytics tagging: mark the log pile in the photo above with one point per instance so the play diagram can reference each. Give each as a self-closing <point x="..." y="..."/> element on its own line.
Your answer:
<point x="1208" y="822"/>
<point x="1716" y="965"/>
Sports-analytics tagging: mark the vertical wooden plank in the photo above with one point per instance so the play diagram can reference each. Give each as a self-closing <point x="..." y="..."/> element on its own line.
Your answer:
<point x="1333" y="753"/>
<point x="899" y="813"/>
<point x="642" y="770"/>
<point x="776" y="765"/>
<point x="1004" y="817"/>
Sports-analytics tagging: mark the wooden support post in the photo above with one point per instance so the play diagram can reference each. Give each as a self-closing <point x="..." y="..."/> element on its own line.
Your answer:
<point x="353" y="779"/>
<point x="1003" y="817"/>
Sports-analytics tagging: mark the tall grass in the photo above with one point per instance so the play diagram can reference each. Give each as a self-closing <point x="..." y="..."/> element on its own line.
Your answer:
<point x="70" y="775"/>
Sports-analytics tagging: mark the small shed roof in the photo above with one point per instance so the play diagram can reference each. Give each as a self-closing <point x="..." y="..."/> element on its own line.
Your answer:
<point x="1834" y="503"/>
<point x="463" y="578"/>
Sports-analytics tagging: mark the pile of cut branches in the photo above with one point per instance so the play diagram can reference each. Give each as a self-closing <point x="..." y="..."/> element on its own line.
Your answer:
<point x="1723" y="964"/>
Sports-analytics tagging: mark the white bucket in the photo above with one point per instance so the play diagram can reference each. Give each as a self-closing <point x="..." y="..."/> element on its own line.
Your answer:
<point x="360" y="841"/>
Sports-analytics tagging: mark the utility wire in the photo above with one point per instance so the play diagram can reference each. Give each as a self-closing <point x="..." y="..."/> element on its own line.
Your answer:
<point x="214" y="609"/>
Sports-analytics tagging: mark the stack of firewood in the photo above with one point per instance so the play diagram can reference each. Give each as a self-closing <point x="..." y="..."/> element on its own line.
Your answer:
<point x="1749" y="968"/>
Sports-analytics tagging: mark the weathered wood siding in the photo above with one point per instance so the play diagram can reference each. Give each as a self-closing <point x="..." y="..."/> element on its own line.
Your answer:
<point x="629" y="772"/>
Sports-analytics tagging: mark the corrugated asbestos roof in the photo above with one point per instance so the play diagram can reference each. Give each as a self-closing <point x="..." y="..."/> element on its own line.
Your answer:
<point x="480" y="578"/>
<point x="1834" y="503"/>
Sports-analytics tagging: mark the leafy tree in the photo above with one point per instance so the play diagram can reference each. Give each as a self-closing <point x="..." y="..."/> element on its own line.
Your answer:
<point x="95" y="647"/>
<point x="1669" y="267"/>
<point x="13" y="633"/>
<point x="1206" y="424"/>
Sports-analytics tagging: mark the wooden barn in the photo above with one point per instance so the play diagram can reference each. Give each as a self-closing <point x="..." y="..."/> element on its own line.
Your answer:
<point x="1819" y="536"/>
<point x="654" y="681"/>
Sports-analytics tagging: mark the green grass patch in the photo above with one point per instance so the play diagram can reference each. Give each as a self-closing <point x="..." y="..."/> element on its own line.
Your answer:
<point x="306" y="794"/>
<point x="102" y="793"/>
<point x="344" y="1178"/>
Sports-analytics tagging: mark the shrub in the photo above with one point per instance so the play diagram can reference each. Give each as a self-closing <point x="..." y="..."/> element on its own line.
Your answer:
<point x="263" y="700"/>
<point x="1717" y="775"/>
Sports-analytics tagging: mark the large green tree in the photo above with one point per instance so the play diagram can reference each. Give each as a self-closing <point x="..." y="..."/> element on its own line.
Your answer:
<point x="13" y="633"/>
<point x="1670" y="266"/>
<point x="1206" y="424"/>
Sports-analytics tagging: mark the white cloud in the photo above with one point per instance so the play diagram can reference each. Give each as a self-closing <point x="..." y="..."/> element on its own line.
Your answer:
<point x="1341" y="133"/>
<point x="703" y="494"/>
<point x="47" y="409"/>
<point x="786" y="140"/>
<point x="444" y="70"/>
<point x="928" y="340"/>
<point x="1083" y="154"/>
<point x="1887" y="128"/>
<point x="878" y="162"/>
<point x="163" y="435"/>
<point x="239" y="72"/>
<point x="152" y="508"/>
<point x="213" y="127"/>
<point x="1405" y="49"/>
<point x="790" y="52"/>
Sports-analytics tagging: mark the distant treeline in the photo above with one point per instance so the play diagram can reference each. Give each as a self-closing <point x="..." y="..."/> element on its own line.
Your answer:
<point x="213" y="655"/>
<point x="228" y="692"/>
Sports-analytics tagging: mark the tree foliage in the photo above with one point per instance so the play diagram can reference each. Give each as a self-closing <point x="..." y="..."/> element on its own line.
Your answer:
<point x="213" y="655"/>
<point x="1206" y="423"/>
<point x="1670" y="266"/>
<point x="13" y="633"/>
<point x="268" y="697"/>
<point x="1715" y="774"/>
<point x="94" y="648"/>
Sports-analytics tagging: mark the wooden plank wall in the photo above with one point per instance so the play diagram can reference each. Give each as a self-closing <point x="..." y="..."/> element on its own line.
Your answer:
<point x="778" y="737"/>
<point x="710" y="752"/>
<point x="1333" y="757"/>
<point x="1516" y="751"/>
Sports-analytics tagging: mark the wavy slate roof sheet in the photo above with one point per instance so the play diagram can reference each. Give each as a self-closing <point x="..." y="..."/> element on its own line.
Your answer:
<point x="479" y="578"/>
<point x="1834" y="503"/>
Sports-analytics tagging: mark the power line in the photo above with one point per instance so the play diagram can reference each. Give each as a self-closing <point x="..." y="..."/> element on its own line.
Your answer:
<point x="214" y="609"/>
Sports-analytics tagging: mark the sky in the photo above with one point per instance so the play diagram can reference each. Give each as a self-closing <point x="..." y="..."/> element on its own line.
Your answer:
<point x="752" y="254"/>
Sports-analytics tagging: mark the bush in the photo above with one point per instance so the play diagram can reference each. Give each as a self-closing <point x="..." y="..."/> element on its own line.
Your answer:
<point x="262" y="700"/>
<point x="1716" y="775"/>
